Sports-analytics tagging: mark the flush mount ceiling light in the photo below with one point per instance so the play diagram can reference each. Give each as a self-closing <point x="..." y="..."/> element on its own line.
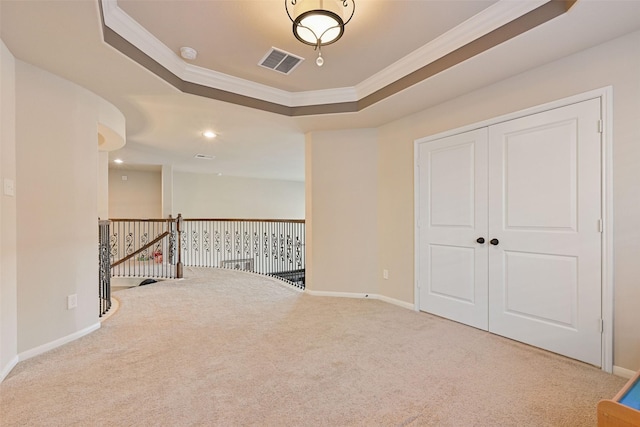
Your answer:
<point x="118" y="161"/>
<point x="319" y="22"/>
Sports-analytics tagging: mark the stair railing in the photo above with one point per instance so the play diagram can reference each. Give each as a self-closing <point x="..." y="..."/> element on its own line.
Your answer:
<point x="159" y="248"/>
<point x="144" y="248"/>
<point x="265" y="246"/>
<point x="104" y="269"/>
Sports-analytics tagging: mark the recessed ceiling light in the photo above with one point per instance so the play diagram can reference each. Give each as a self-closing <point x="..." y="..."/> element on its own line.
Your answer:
<point x="118" y="161"/>
<point x="209" y="134"/>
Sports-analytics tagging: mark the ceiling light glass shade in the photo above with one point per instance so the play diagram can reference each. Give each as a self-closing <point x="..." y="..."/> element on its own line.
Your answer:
<point x="318" y="27"/>
<point x="319" y="22"/>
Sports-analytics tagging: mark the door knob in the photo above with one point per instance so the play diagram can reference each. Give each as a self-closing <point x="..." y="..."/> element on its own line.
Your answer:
<point x="480" y="240"/>
<point x="494" y="242"/>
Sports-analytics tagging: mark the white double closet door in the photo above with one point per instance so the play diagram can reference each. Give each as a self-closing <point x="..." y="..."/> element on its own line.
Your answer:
<point x="509" y="229"/>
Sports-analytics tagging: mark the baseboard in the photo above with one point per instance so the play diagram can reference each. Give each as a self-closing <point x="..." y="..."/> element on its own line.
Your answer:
<point x="115" y="305"/>
<point x="403" y="304"/>
<point x="335" y="294"/>
<point x="383" y="298"/>
<point x="5" y="371"/>
<point x="57" y="343"/>
<point x="623" y="372"/>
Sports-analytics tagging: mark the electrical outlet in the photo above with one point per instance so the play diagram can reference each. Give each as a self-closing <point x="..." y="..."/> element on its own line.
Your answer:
<point x="385" y="274"/>
<point x="72" y="301"/>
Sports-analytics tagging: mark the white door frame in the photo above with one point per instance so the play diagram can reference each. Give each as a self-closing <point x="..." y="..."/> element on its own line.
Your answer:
<point x="605" y="95"/>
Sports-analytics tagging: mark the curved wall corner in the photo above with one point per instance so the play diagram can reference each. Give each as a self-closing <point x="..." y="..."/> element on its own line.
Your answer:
<point x="8" y="280"/>
<point x="57" y="211"/>
<point x="111" y="137"/>
<point x="111" y="127"/>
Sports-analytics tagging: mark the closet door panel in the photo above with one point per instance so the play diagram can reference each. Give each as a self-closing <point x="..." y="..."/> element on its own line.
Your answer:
<point x="544" y="211"/>
<point x="452" y="273"/>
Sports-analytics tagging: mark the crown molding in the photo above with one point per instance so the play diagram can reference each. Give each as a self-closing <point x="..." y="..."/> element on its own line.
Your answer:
<point x="206" y="77"/>
<point x="323" y="97"/>
<point x="129" y="29"/>
<point x="498" y="14"/>
<point x="217" y="80"/>
<point x="481" y="24"/>
<point x="120" y="22"/>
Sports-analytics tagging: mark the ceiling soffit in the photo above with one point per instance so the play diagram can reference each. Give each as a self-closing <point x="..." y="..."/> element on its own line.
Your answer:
<point x="497" y="24"/>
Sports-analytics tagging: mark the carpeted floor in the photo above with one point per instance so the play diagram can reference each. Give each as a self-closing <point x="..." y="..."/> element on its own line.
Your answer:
<point x="226" y="348"/>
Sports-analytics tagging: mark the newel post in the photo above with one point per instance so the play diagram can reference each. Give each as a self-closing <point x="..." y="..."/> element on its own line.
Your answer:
<point x="179" y="263"/>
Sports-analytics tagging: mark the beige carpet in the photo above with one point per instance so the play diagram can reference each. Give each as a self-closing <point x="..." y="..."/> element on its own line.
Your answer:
<point x="226" y="348"/>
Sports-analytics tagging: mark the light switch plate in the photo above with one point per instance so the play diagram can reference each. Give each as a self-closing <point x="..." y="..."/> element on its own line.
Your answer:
<point x="9" y="187"/>
<point x="72" y="301"/>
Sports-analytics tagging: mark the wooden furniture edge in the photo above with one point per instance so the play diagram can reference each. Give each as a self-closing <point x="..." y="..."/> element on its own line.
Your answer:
<point x="611" y="413"/>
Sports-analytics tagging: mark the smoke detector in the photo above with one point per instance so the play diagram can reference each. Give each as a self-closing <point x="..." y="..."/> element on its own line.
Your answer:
<point x="188" y="53"/>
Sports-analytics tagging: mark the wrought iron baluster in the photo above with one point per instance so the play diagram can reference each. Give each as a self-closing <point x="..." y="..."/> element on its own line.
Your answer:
<point x="270" y="247"/>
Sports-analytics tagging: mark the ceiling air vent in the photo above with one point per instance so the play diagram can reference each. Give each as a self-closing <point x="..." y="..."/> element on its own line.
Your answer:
<point x="204" y="156"/>
<point x="281" y="61"/>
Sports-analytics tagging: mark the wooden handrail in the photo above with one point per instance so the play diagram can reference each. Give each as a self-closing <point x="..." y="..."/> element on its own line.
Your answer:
<point x="148" y="245"/>
<point x="297" y="221"/>
<point x="142" y="220"/>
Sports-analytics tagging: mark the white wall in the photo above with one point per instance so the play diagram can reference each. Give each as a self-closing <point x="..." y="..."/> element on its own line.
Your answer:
<point x="111" y="136"/>
<point x="341" y="227"/>
<point x="139" y="196"/>
<point x="212" y="196"/>
<point x="103" y="185"/>
<point x="8" y="280"/>
<point x="56" y="158"/>
<point x="167" y="191"/>
<point x="616" y="63"/>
